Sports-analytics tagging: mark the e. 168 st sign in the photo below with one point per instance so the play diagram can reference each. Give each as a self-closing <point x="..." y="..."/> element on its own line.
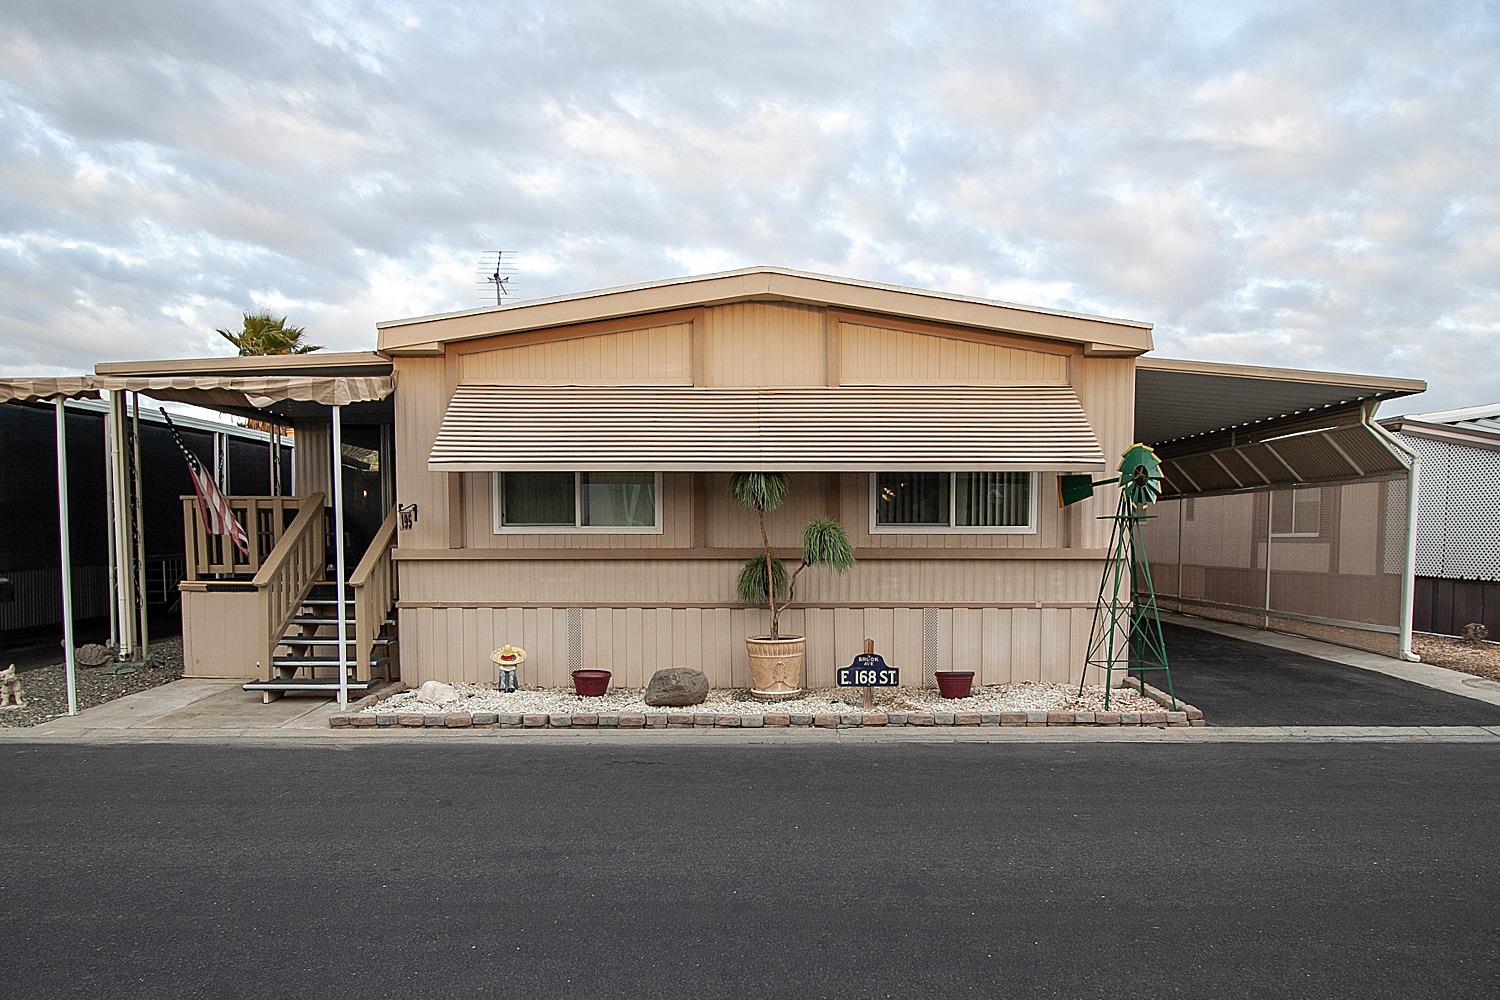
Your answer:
<point x="869" y="670"/>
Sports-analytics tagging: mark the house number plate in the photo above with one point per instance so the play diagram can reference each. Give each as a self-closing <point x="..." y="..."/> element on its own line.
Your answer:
<point x="869" y="670"/>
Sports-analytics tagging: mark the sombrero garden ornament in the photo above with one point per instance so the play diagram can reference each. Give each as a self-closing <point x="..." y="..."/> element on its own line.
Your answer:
<point x="507" y="658"/>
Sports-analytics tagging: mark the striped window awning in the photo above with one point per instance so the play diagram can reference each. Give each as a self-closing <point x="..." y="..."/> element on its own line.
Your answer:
<point x="496" y="428"/>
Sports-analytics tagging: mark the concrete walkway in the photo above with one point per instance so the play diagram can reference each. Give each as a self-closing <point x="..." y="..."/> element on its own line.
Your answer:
<point x="188" y="706"/>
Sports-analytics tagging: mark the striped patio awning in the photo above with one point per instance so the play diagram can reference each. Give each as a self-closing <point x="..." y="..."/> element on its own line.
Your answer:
<point x="803" y="428"/>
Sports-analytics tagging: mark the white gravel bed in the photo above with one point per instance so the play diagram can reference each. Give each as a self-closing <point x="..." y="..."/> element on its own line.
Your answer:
<point x="1023" y="697"/>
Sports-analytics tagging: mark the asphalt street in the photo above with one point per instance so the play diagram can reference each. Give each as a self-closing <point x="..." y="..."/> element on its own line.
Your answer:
<point x="984" y="870"/>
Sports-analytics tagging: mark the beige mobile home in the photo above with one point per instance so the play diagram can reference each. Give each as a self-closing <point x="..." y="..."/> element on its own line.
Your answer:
<point x="554" y="474"/>
<point x="570" y="460"/>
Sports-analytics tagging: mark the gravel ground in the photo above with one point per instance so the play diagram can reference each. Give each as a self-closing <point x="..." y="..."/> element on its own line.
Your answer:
<point x="46" y="688"/>
<point x="1455" y="654"/>
<point x="843" y="701"/>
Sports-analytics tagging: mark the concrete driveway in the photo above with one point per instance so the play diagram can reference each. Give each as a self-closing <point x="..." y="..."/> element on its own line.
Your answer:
<point x="1241" y="683"/>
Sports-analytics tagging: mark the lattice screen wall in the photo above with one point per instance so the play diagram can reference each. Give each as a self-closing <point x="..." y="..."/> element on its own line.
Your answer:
<point x="1458" y="510"/>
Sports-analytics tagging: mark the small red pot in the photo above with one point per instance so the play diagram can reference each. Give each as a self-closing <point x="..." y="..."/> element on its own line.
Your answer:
<point x="954" y="683"/>
<point x="593" y="683"/>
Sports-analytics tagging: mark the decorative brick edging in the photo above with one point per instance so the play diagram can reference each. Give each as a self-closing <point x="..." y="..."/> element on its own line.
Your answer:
<point x="1194" y="715"/>
<point x="1186" y="715"/>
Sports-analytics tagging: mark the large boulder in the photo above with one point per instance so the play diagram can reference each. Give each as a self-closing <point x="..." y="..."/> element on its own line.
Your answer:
<point x="676" y="686"/>
<point x="92" y="654"/>
<point x="437" y="693"/>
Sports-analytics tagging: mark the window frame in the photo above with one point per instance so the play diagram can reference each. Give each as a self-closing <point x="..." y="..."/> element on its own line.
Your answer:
<point x="1291" y="495"/>
<point x="497" y="510"/>
<point x="1029" y="528"/>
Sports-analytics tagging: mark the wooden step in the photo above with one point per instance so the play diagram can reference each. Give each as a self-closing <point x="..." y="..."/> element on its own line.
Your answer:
<point x="329" y="684"/>
<point x="333" y="622"/>
<point x="330" y="640"/>
<point x="322" y="662"/>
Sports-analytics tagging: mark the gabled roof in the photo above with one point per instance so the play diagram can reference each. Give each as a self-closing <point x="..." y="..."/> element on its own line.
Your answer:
<point x="425" y="334"/>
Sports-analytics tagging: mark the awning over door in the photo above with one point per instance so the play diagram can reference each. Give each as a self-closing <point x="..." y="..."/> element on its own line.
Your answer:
<point x="218" y="391"/>
<point x="499" y="428"/>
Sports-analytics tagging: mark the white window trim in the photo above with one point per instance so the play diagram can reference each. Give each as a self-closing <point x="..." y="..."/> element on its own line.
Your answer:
<point x="497" y="509"/>
<point x="1293" y="496"/>
<point x="876" y="528"/>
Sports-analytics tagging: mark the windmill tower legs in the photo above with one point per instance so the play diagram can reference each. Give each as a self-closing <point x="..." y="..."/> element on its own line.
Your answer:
<point x="1126" y="635"/>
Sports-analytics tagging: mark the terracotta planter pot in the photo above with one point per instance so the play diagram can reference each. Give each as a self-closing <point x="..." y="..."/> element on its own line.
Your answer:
<point x="954" y="683"/>
<point x="591" y="683"/>
<point x="776" y="666"/>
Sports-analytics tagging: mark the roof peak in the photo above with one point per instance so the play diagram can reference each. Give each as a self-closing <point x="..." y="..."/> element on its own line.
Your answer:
<point x="764" y="282"/>
<point x="688" y="279"/>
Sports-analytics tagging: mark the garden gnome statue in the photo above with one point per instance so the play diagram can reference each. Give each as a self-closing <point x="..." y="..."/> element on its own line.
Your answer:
<point x="506" y="659"/>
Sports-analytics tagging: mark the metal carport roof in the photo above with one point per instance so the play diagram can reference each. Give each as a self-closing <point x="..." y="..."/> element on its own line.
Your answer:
<point x="1176" y="400"/>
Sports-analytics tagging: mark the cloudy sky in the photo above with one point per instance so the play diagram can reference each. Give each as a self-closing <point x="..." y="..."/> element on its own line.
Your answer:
<point x="1310" y="185"/>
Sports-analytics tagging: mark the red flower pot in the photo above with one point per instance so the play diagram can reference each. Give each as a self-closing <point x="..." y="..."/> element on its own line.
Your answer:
<point x="954" y="683"/>
<point x="593" y="683"/>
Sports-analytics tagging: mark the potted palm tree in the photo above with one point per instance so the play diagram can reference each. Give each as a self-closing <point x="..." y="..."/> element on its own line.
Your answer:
<point x="776" y="661"/>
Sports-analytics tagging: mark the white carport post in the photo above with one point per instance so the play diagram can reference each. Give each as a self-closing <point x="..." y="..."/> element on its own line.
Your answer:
<point x="64" y="543"/>
<point x="338" y="555"/>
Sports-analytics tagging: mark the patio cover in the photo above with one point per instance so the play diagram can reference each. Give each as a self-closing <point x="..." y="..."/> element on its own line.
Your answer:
<point x="492" y="428"/>
<point x="216" y="391"/>
<point x="1222" y="428"/>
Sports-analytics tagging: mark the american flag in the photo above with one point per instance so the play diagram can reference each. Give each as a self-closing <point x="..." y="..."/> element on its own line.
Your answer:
<point x="212" y="507"/>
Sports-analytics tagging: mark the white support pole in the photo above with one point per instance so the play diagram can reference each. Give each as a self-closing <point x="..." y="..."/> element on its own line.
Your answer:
<point x="65" y="546"/>
<point x="109" y="516"/>
<point x="1407" y="456"/>
<point x="338" y="557"/>
<point x="1270" y="526"/>
<point x="124" y="582"/>
<point x="137" y="471"/>
<point x="1409" y="571"/>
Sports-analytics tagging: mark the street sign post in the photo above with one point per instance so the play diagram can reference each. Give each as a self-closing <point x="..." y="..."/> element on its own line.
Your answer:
<point x="869" y="671"/>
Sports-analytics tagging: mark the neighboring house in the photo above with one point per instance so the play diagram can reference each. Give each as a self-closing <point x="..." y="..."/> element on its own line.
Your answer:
<point x="1458" y="516"/>
<point x="554" y="474"/>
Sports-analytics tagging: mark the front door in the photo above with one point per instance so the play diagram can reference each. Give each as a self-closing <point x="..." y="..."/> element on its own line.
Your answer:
<point x="367" y="485"/>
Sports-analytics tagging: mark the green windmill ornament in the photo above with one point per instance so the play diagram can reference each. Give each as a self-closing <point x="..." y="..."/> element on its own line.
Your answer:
<point x="1126" y="634"/>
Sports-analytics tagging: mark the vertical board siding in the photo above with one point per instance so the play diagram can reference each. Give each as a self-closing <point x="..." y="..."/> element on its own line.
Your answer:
<point x="1001" y="645"/>
<point x="1106" y="388"/>
<point x="730" y="526"/>
<point x="870" y="355"/>
<point x="312" y="458"/>
<point x="420" y="401"/>
<point x="660" y="582"/>
<point x="763" y="344"/>
<point x="657" y="355"/>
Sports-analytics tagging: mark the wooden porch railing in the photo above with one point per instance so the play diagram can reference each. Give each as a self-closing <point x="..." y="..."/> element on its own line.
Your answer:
<point x="288" y="574"/>
<point x="265" y="521"/>
<point x="374" y="584"/>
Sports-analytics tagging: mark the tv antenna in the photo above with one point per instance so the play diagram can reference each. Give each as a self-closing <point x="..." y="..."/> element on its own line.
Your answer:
<point x="496" y="269"/>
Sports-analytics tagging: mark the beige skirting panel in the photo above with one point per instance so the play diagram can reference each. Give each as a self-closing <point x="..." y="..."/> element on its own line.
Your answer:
<point x="220" y="634"/>
<point x="999" y="644"/>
